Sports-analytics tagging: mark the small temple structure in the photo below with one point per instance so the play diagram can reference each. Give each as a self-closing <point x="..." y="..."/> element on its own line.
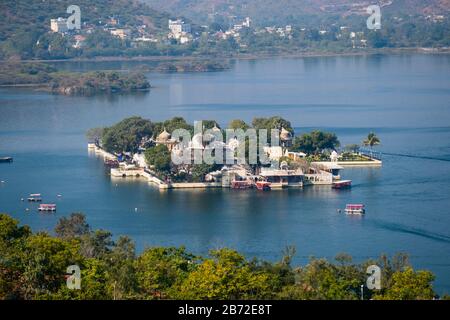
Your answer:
<point x="165" y="138"/>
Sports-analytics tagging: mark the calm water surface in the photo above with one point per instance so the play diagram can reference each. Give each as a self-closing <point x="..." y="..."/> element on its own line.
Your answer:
<point x="404" y="99"/>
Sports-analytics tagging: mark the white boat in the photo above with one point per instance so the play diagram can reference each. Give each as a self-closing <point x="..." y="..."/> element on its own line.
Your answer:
<point x="35" y="197"/>
<point x="357" y="209"/>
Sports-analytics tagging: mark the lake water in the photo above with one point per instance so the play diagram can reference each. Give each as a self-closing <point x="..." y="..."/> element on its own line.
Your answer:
<point x="405" y="99"/>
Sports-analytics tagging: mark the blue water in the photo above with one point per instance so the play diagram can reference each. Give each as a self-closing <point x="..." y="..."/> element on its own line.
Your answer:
<point x="405" y="99"/>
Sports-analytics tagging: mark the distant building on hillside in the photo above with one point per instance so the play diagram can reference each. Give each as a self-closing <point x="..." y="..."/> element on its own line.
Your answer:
<point x="178" y="26"/>
<point x="121" y="33"/>
<point x="58" y="25"/>
<point x="79" y="41"/>
<point x="180" y="31"/>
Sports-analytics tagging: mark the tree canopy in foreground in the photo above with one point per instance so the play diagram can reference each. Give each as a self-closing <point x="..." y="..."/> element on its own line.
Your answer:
<point x="34" y="265"/>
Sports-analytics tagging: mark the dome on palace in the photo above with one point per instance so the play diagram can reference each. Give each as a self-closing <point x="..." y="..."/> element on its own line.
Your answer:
<point x="164" y="136"/>
<point x="285" y="135"/>
<point x="215" y="128"/>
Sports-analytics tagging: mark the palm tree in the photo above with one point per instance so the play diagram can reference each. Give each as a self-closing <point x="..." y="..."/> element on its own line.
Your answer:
<point x="372" y="140"/>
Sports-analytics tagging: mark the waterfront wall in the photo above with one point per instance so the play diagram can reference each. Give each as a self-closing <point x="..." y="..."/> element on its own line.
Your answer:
<point x="371" y="163"/>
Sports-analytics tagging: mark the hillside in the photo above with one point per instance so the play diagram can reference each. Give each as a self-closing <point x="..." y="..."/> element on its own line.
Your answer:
<point x="36" y="14"/>
<point x="291" y="11"/>
<point x="23" y="22"/>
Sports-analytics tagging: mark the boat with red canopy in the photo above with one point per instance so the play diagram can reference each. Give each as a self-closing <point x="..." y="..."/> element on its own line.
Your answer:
<point x="236" y="184"/>
<point x="355" y="209"/>
<point x="263" y="185"/>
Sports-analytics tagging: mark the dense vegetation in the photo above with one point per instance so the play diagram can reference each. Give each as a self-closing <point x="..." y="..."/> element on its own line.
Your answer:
<point x="71" y="83"/>
<point x="192" y="66"/>
<point x="315" y="142"/>
<point x="34" y="266"/>
<point x="90" y="83"/>
<point x="267" y="12"/>
<point x="126" y="135"/>
<point x="25" y="25"/>
<point x="25" y="73"/>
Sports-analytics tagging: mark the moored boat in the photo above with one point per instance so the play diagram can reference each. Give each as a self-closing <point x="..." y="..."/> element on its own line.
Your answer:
<point x="47" y="207"/>
<point x="113" y="163"/>
<point x="342" y="184"/>
<point x="241" y="184"/>
<point x="357" y="209"/>
<point x="263" y="185"/>
<point x="6" y="159"/>
<point x="35" y="197"/>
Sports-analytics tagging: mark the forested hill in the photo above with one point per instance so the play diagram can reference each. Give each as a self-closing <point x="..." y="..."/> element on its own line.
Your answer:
<point x="292" y="11"/>
<point x="24" y="21"/>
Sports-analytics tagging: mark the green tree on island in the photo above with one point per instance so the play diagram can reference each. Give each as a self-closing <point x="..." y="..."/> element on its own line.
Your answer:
<point x="315" y="142"/>
<point x="238" y="124"/>
<point x="159" y="158"/>
<point x="371" y="140"/>
<point x="126" y="135"/>
<point x="172" y="125"/>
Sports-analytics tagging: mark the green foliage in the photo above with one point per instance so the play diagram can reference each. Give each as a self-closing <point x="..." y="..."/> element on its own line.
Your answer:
<point x="121" y="274"/>
<point x="409" y="285"/>
<point x="315" y="142"/>
<point x="159" y="157"/>
<point x="126" y="135"/>
<point x="199" y="171"/>
<point x="160" y="269"/>
<point x="371" y="140"/>
<point x="321" y="280"/>
<point x="95" y="134"/>
<point x="72" y="83"/>
<point x="25" y="73"/>
<point x="91" y="83"/>
<point x="33" y="266"/>
<point x="25" y="21"/>
<point x="268" y="124"/>
<point x="172" y="125"/>
<point x="238" y="124"/>
<point x="25" y="25"/>
<point x="227" y="275"/>
<point x="72" y="227"/>
<point x="275" y="122"/>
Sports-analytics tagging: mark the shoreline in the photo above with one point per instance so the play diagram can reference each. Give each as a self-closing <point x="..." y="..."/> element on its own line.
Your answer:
<point x="252" y="56"/>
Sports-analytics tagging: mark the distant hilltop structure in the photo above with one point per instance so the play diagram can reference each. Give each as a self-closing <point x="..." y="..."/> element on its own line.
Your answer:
<point x="59" y="25"/>
<point x="180" y="31"/>
<point x="179" y="26"/>
<point x="121" y="33"/>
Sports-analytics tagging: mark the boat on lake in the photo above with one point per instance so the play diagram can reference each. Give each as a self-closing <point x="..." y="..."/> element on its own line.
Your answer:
<point x="35" y="197"/>
<point x="241" y="184"/>
<point x="343" y="184"/>
<point x="263" y="185"/>
<point x="113" y="163"/>
<point x="6" y="159"/>
<point x="47" y="207"/>
<point x="356" y="209"/>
